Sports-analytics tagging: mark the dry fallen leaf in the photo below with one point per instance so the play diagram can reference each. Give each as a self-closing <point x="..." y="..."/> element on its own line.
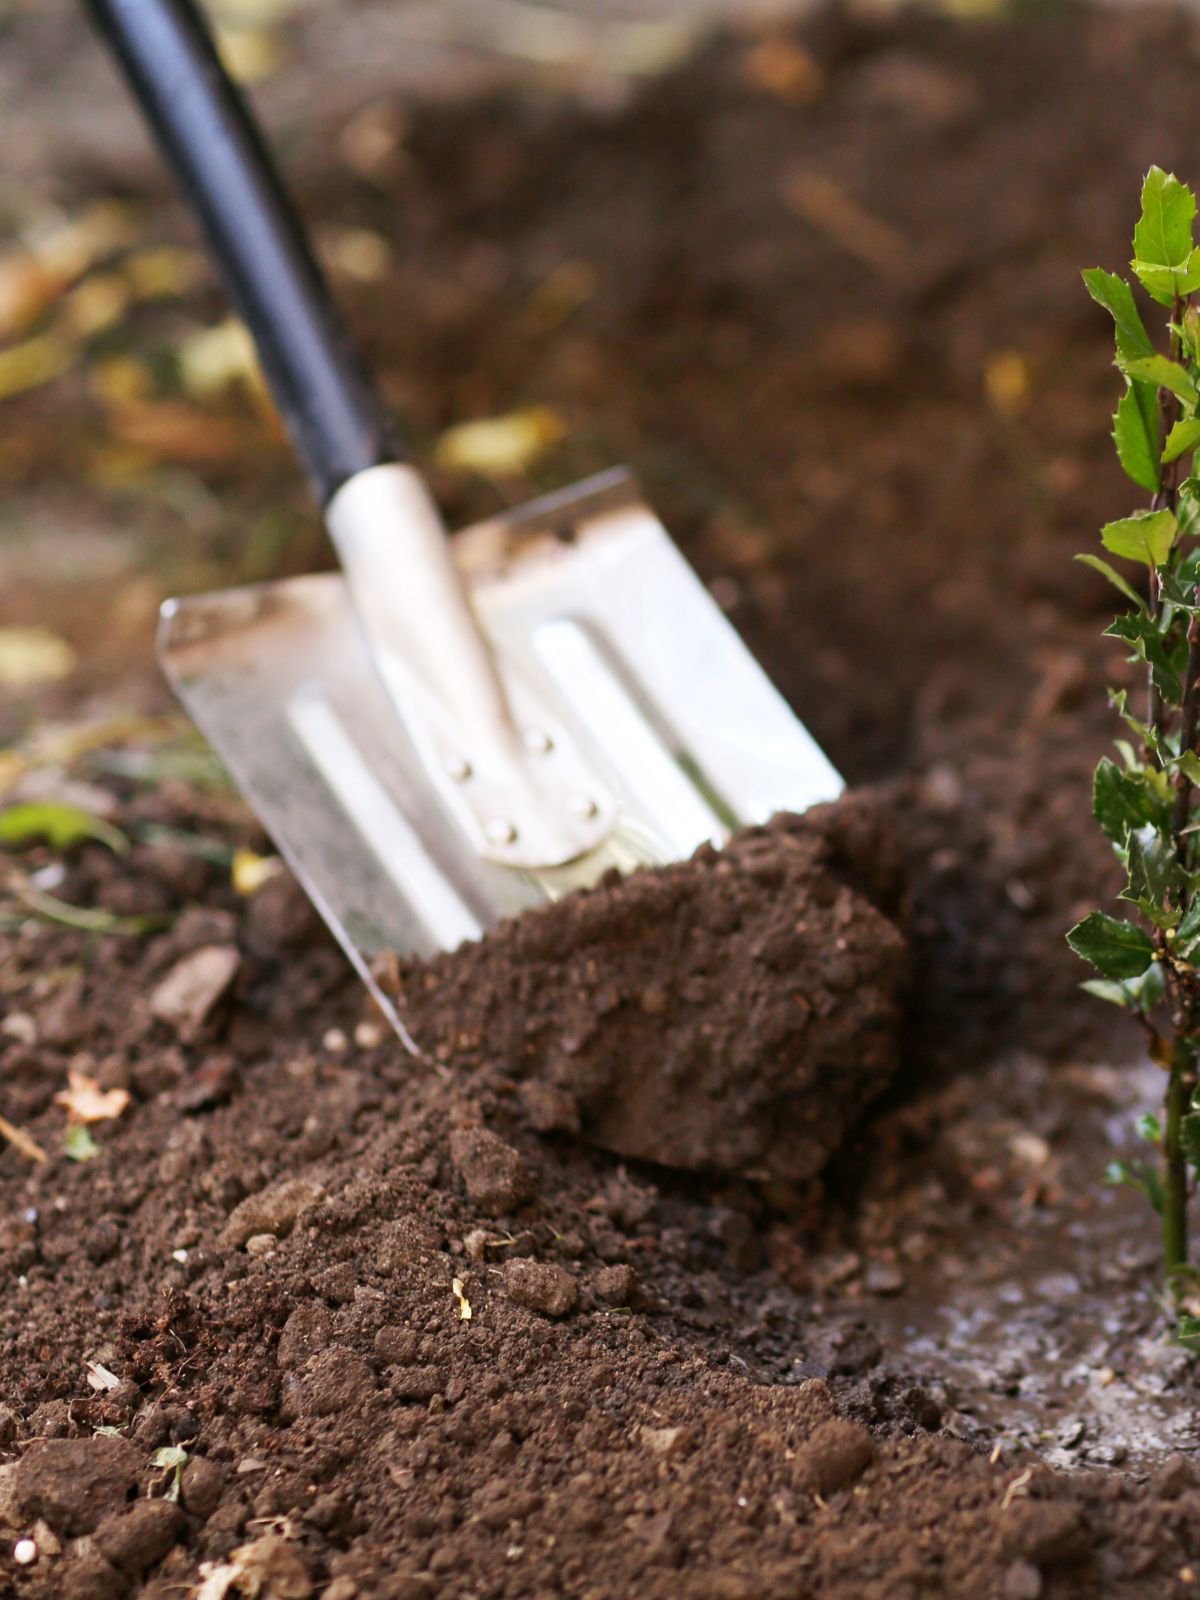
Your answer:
<point x="22" y="1141"/>
<point x="464" y="1305"/>
<point x="85" y="1101"/>
<point x="250" y="871"/>
<point x="500" y="446"/>
<point x="36" y="361"/>
<point x="838" y="215"/>
<point x="30" y="656"/>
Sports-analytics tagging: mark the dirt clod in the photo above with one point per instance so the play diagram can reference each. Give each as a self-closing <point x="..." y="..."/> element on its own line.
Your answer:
<point x="541" y="1286"/>
<point x="834" y="1456"/>
<point x="273" y="1211"/>
<point x="138" y="1537"/>
<point x="735" y="1011"/>
<point x="496" y="1178"/>
<point x="73" y="1483"/>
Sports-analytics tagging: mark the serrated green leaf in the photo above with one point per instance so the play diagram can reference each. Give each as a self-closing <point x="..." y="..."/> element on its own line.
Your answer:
<point x="1163" y="373"/>
<point x="1109" y="989"/>
<point x="1146" y="537"/>
<point x="1136" y="435"/>
<point x="1187" y="508"/>
<point x="1115" y="295"/>
<point x="1098" y="564"/>
<point x="1150" y="646"/>
<point x="1148" y="1127"/>
<point x="1179" y="592"/>
<point x="1168" y="284"/>
<point x="61" y="826"/>
<point x="1118" y="699"/>
<point x="1184" y="436"/>
<point x="1154" y="875"/>
<point x="1187" y="1333"/>
<point x="79" y="1144"/>
<point x="1116" y="949"/>
<point x="1122" y="801"/>
<point x="1163" y="235"/>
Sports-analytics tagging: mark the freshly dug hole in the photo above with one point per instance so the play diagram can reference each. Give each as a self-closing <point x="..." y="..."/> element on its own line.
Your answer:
<point x="734" y="1012"/>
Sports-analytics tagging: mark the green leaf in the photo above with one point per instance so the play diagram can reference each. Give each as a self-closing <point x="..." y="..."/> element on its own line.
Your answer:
<point x="1168" y="284"/>
<point x="1118" y="699"/>
<point x="1155" y="875"/>
<point x="1115" y="948"/>
<point x="1187" y="1332"/>
<point x="1098" y="564"/>
<point x="1187" y="935"/>
<point x="1115" y="295"/>
<point x="1135" y="434"/>
<point x="172" y="1459"/>
<point x="1148" y="1127"/>
<point x="79" y="1144"/>
<point x="1122" y="801"/>
<point x="1163" y="235"/>
<point x="62" y="826"/>
<point x="1179" y="590"/>
<point x="1184" y="436"/>
<point x="1108" y="989"/>
<point x="1163" y="373"/>
<point x="1146" y="537"/>
<point x="1187" y="508"/>
<point x="1136" y="1176"/>
<point x="1152" y="647"/>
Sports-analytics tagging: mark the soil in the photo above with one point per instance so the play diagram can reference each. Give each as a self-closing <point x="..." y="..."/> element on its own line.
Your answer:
<point x="733" y="1013"/>
<point x="411" y="1334"/>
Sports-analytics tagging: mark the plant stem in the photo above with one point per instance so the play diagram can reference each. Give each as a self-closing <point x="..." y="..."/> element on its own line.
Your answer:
<point x="1174" y="1213"/>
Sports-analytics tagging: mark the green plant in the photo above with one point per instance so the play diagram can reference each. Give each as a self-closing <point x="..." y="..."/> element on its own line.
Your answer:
<point x="1147" y="802"/>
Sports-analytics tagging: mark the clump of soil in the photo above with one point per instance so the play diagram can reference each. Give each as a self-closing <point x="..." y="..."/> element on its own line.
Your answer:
<point x="737" y="1012"/>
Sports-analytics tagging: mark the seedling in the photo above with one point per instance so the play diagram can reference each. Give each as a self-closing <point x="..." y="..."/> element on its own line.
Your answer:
<point x="1147" y="802"/>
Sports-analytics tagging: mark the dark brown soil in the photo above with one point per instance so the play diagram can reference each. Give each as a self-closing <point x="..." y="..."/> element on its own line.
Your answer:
<point x="939" y="1370"/>
<point x="735" y="1013"/>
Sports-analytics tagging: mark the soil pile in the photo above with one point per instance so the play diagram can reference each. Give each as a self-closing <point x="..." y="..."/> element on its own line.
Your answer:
<point x="737" y="1012"/>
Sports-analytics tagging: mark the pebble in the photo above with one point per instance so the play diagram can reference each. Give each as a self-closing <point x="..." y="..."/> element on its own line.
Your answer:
<point x="835" y="1455"/>
<point x="192" y="987"/>
<point x="541" y="1286"/>
<point x="272" y="1210"/>
<point x="261" y="1244"/>
<point x="616" y="1285"/>
<point x="25" y="1552"/>
<point x="496" y="1178"/>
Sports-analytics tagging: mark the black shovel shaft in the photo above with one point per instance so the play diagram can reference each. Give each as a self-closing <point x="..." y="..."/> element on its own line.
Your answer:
<point x="208" y="135"/>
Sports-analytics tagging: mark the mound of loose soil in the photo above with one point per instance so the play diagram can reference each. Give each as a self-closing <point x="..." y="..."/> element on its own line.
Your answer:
<point x="736" y="1012"/>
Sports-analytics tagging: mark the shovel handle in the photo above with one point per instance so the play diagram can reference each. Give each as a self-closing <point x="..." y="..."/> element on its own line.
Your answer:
<point x="209" y="137"/>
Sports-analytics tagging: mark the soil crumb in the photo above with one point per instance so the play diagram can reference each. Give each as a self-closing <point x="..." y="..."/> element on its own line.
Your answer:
<point x="735" y="1012"/>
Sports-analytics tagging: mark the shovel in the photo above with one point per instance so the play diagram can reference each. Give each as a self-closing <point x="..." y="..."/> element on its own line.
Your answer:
<point x="447" y="731"/>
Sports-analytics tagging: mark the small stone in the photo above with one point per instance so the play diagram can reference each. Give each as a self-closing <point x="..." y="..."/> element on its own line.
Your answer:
<point x="19" y="1025"/>
<point x="883" y="1277"/>
<point x="669" y="1441"/>
<point x="369" y="1035"/>
<point x="261" y="1244"/>
<point x="496" y="1178"/>
<point x="616" y="1285"/>
<point x="186" y="996"/>
<point x="1070" y="1432"/>
<point x="835" y="1455"/>
<point x="541" y="1286"/>
<point x="272" y="1210"/>
<point x="1022" y="1582"/>
<point x="25" y="1552"/>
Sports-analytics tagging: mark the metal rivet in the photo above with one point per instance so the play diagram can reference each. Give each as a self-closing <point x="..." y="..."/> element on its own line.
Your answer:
<point x="458" y="767"/>
<point x="500" y="831"/>
<point x="538" y="742"/>
<point x="583" y="805"/>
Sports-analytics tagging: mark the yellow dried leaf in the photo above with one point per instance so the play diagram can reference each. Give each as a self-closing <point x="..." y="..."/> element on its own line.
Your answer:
<point x="360" y="253"/>
<point x="72" y="246"/>
<point x="97" y="303"/>
<point x="33" y="362"/>
<point x="464" y="1305"/>
<point x="250" y="871"/>
<point x="157" y="274"/>
<point x="213" y="360"/>
<point x="27" y="288"/>
<point x="1007" y="379"/>
<point x="22" y="1141"/>
<point x="30" y="656"/>
<point x="500" y="446"/>
<point x="85" y="1101"/>
<point x="784" y="68"/>
<point x="249" y="54"/>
